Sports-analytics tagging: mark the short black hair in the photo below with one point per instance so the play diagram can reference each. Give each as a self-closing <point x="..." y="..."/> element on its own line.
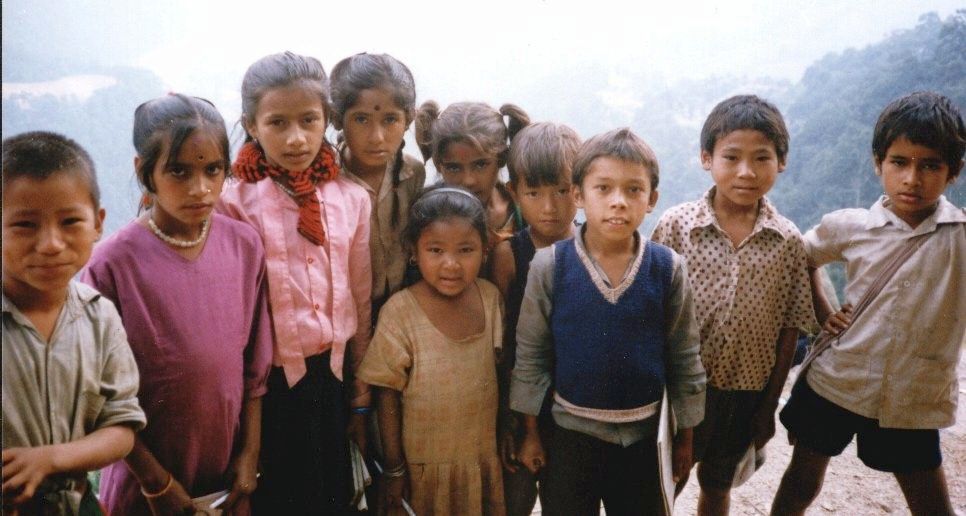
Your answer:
<point x="748" y="112"/>
<point x="620" y="144"/>
<point x="39" y="155"/>
<point x="925" y="118"/>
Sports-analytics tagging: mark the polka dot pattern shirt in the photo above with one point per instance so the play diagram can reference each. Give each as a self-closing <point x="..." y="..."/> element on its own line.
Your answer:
<point x="744" y="295"/>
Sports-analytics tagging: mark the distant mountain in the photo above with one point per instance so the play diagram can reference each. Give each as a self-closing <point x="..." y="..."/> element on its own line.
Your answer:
<point x="95" y="107"/>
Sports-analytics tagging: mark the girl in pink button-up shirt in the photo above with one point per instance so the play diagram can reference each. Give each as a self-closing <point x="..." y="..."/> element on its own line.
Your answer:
<point x="315" y="228"/>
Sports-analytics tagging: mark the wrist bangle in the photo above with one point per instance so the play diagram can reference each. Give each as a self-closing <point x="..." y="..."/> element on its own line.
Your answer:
<point x="395" y="472"/>
<point x="361" y="410"/>
<point x="165" y="489"/>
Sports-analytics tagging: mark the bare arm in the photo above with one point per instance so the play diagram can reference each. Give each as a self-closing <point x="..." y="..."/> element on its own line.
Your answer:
<point x="25" y="468"/>
<point x="763" y="421"/>
<point x="823" y="308"/>
<point x="390" y="428"/>
<point x="504" y="268"/>
<point x="171" y="497"/>
<point x="244" y="465"/>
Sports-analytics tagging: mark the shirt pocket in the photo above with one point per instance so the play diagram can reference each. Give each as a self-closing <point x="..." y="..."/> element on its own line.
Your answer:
<point x="929" y="392"/>
<point x="850" y="373"/>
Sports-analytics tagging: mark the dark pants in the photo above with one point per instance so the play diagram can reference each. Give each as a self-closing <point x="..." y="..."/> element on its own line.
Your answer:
<point x="582" y="471"/>
<point x="304" y="456"/>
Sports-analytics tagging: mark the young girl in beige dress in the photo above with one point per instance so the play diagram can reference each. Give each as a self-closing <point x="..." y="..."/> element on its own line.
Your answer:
<point x="432" y="362"/>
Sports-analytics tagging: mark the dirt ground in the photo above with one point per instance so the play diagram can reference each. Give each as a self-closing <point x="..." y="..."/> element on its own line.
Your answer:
<point x="850" y="487"/>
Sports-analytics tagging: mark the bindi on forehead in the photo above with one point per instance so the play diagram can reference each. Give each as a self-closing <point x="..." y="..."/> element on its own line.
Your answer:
<point x="378" y="107"/>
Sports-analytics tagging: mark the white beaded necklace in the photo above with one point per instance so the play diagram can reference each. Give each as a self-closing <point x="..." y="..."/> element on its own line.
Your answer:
<point x="179" y="243"/>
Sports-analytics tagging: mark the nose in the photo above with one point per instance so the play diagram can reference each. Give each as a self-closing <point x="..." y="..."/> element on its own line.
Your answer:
<point x="745" y="170"/>
<point x="201" y="186"/>
<point x="376" y="134"/>
<point x="548" y="205"/>
<point x="450" y="261"/>
<point x="618" y="198"/>
<point x="296" y="137"/>
<point x="51" y="240"/>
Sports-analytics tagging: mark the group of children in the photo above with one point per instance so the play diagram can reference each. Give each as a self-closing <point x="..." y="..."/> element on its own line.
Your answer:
<point x="470" y="337"/>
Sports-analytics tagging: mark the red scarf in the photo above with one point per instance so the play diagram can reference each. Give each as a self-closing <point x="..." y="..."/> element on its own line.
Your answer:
<point x="251" y="166"/>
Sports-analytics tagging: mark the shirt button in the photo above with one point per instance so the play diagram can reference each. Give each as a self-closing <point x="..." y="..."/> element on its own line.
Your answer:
<point x="310" y="260"/>
<point x="316" y="306"/>
<point x="906" y="283"/>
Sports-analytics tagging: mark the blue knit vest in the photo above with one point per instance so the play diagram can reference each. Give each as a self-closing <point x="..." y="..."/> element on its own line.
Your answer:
<point x="610" y="356"/>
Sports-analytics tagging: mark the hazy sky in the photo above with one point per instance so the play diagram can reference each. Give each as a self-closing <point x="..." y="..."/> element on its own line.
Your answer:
<point x="456" y="49"/>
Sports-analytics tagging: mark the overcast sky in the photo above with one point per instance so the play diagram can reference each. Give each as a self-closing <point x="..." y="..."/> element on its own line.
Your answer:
<point x="473" y="46"/>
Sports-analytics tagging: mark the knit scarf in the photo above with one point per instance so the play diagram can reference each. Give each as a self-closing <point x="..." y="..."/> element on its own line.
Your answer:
<point x="251" y="166"/>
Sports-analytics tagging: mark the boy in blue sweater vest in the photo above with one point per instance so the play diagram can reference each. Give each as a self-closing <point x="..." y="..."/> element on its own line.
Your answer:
<point x="607" y="317"/>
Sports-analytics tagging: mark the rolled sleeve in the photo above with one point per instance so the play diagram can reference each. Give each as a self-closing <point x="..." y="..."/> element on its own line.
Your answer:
<point x="360" y="282"/>
<point x="686" y="378"/>
<point x="532" y="373"/>
<point x="258" y="353"/>
<point x="823" y="243"/>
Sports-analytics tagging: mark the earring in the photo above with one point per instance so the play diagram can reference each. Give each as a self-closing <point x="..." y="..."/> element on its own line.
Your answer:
<point x="412" y="261"/>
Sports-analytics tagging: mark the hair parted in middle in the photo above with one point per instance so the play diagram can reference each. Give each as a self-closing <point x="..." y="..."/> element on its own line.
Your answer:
<point x="542" y="154"/>
<point x="620" y="144"/>
<point x="473" y="123"/>
<point x="278" y="71"/>
<point x="162" y="125"/>
<point x="442" y="202"/>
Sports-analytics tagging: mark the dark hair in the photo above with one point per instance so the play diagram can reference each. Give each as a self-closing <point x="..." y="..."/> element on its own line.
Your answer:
<point x="364" y="71"/>
<point x="620" y="144"/>
<point x="39" y="155"/>
<point x="162" y="125"/>
<point x="441" y="202"/>
<point x="745" y="112"/>
<point x="278" y="71"/>
<point x="542" y="153"/>
<point x="925" y="118"/>
<point x="474" y="123"/>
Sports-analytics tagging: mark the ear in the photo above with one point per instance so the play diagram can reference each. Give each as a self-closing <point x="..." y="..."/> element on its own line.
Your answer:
<point x="578" y="195"/>
<point x="250" y="127"/>
<point x="954" y="172"/>
<point x="781" y="166"/>
<point x="99" y="222"/>
<point x="501" y="158"/>
<point x="137" y="162"/>
<point x="512" y="188"/>
<point x="652" y="202"/>
<point x="877" y="164"/>
<point x="336" y="124"/>
<point x="706" y="160"/>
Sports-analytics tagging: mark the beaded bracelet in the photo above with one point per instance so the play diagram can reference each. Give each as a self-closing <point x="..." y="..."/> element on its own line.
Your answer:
<point x="395" y="472"/>
<point x="361" y="410"/>
<point x="162" y="492"/>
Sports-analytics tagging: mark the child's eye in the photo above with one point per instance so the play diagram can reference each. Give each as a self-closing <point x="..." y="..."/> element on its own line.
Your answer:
<point x="311" y="119"/>
<point x="602" y="188"/>
<point x="930" y="166"/>
<point x="360" y="119"/>
<point x="530" y="194"/>
<point x="563" y="192"/>
<point x="278" y="122"/>
<point x="178" y="172"/>
<point x="467" y="249"/>
<point x="480" y="164"/>
<point x="24" y="224"/>
<point x="72" y="220"/>
<point x="452" y="169"/>
<point x="898" y="162"/>
<point x="730" y="158"/>
<point x="391" y="119"/>
<point x="215" y="170"/>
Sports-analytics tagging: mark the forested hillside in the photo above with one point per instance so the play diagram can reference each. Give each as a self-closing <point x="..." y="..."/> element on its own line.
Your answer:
<point x="830" y="113"/>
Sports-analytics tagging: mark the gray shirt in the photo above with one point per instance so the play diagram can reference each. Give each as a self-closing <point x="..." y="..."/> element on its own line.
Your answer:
<point x="533" y="372"/>
<point x="84" y="379"/>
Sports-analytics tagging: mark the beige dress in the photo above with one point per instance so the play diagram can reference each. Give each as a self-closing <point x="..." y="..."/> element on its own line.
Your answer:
<point x="449" y="402"/>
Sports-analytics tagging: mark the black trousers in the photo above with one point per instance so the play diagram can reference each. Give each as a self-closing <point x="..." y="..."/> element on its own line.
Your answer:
<point x="305" y="455"/>
<point x="582" y="471"/>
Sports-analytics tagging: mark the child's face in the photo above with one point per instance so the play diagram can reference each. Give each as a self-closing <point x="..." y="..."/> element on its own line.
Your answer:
<point x="49" y="228"/>
<point x="615" y="195"/>
<point x="548" y="209"/>
<point x="290" y="126"/>
<point x="463" y="165"/>
<point x="449" y="254"/>
<point x="744" y="167"/>
<point x="373" y="127"/>
<point x="187" y="189"/>
<point x="913" y="176"/>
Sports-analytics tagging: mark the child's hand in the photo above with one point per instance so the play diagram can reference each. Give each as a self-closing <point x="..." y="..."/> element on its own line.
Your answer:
<point x="508" y="451"/>
<point x="174" y="501"/>
<point x="763" y="425"/>
<point x="395" y="491"/>
<point x="531" y="453"/>
<point x="681" y="454"/>
<point x="242" y="475"/>
<point x="839" y="321"/>
<point x="24" y="469"/>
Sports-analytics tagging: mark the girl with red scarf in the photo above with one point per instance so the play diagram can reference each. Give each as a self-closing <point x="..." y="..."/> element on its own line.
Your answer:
<point x="314" y="225"/>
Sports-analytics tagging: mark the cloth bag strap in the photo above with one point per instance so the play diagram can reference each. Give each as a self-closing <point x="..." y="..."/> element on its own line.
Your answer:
<point x="824" y="339"/>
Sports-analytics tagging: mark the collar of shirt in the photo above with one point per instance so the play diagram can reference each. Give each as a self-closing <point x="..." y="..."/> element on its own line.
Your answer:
<point x="405" y="172"/>
<point x="582" y="251"/>
<point x="767" y="217"/>
<point x="78" y="296"/>
<point x="946" y="213"/>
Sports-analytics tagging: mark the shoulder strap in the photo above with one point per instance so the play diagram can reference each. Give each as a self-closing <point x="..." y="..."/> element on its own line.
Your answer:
<point x="824" y="340"/>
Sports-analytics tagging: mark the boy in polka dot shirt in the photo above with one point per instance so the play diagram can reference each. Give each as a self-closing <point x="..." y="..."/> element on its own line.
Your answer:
<point x="752" y="296"/>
